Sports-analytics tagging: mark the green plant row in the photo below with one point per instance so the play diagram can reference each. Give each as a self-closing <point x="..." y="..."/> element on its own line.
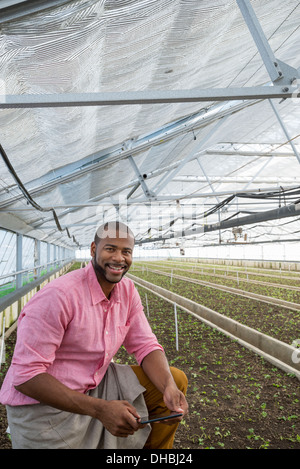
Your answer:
<point x="273" y="320"/>
<point x="285" y="278"/>
<point x="239" y="283"/>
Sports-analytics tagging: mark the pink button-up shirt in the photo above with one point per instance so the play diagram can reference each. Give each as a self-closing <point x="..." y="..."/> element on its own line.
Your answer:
<point x="70" y="330"/>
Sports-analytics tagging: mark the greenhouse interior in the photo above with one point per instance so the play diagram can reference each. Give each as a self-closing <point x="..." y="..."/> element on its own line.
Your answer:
<point x="180" y="119"/>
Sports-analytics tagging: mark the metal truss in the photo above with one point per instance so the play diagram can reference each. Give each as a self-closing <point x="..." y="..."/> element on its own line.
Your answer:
<point x="129" y="148"/>
<point x="148" y="97"/>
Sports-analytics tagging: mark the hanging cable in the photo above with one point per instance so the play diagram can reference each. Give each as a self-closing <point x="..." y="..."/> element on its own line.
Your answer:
<point x="28" y="196"/>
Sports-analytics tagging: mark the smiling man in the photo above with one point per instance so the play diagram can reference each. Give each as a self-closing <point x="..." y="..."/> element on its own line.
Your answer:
<point x="112" y="252"/>
<point x="62" y="389"/>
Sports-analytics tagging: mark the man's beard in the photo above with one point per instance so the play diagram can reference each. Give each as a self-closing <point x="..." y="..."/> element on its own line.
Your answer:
<point x="102" y="272"/>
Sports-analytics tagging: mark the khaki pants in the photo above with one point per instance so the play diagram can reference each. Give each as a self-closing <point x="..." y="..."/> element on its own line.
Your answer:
<point x="162" y="435"/>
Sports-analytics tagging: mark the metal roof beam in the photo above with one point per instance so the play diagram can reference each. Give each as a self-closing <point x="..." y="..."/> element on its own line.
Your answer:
<point x="268" y="153"/>
<point x="147" y="97"/>
<point x="162" y="202"/>
<point x="238" y="179"/>
<point x="15" y="9"/>
<point x="145" y="201"/>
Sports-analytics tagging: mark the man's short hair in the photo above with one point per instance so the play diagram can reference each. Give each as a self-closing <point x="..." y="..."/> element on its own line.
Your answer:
<point x="112" y="228"/>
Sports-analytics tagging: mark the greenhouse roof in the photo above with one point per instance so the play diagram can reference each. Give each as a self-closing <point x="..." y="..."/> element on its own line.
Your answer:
<point x="179" y="117"/>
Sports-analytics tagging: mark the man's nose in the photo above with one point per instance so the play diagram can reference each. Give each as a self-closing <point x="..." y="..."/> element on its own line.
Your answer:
<point x="118" y="256"/>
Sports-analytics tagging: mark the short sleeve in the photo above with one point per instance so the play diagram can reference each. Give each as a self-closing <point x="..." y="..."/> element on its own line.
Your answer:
<point x="140" y="339"/>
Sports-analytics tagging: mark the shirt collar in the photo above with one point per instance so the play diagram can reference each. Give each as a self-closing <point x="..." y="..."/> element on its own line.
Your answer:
<point x="96" y="291"/>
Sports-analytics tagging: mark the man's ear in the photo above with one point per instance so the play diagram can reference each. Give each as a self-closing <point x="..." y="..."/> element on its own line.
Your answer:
<point x="93" y="249"/>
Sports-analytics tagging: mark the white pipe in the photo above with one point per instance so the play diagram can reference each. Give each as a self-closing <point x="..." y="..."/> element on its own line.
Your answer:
<point x="176" y="326"/>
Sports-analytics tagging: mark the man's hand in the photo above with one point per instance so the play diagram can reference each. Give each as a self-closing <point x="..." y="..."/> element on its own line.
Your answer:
<point x="176" y="402"/>
<point x="120" y="418"/>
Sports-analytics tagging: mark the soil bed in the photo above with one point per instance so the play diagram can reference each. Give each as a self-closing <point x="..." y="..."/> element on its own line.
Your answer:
<point x="240" y="283"/>
<point x="236" y="399"/>
<point x="273" y="320"/>
<point x="228" y="269"/>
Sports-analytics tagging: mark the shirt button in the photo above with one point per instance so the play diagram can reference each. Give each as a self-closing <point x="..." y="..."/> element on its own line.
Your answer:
<point x="106" y="332"/>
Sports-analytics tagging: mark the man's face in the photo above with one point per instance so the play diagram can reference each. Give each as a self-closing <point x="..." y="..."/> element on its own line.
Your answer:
<point x="112" y="256"/>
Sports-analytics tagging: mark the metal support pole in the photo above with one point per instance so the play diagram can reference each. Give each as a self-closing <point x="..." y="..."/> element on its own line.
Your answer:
<point x="19" y="262"/>
<point x="207" y="179"/>
<point x="48" y="256"/>
<point x="220" y="236"/>
<point x="37" y="258"/>
<point x="176" y="326"/>
<point x="285" y="130"/>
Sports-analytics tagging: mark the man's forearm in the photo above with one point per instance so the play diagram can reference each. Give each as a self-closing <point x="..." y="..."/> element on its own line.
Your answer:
<point x="119" y="417"/>
<point x="48" y="390"/>
<point x="156" y="367"/>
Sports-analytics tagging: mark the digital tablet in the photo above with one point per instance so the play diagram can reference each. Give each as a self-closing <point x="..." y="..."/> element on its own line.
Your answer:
<point x="157" y="418"/>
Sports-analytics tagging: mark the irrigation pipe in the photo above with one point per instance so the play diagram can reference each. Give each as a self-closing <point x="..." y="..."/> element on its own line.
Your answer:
<point x="265" y="299"/>
<point x="274" y="351"/>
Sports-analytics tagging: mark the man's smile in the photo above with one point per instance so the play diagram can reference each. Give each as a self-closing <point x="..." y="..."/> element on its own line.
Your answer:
<point x="114" y="268"/>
